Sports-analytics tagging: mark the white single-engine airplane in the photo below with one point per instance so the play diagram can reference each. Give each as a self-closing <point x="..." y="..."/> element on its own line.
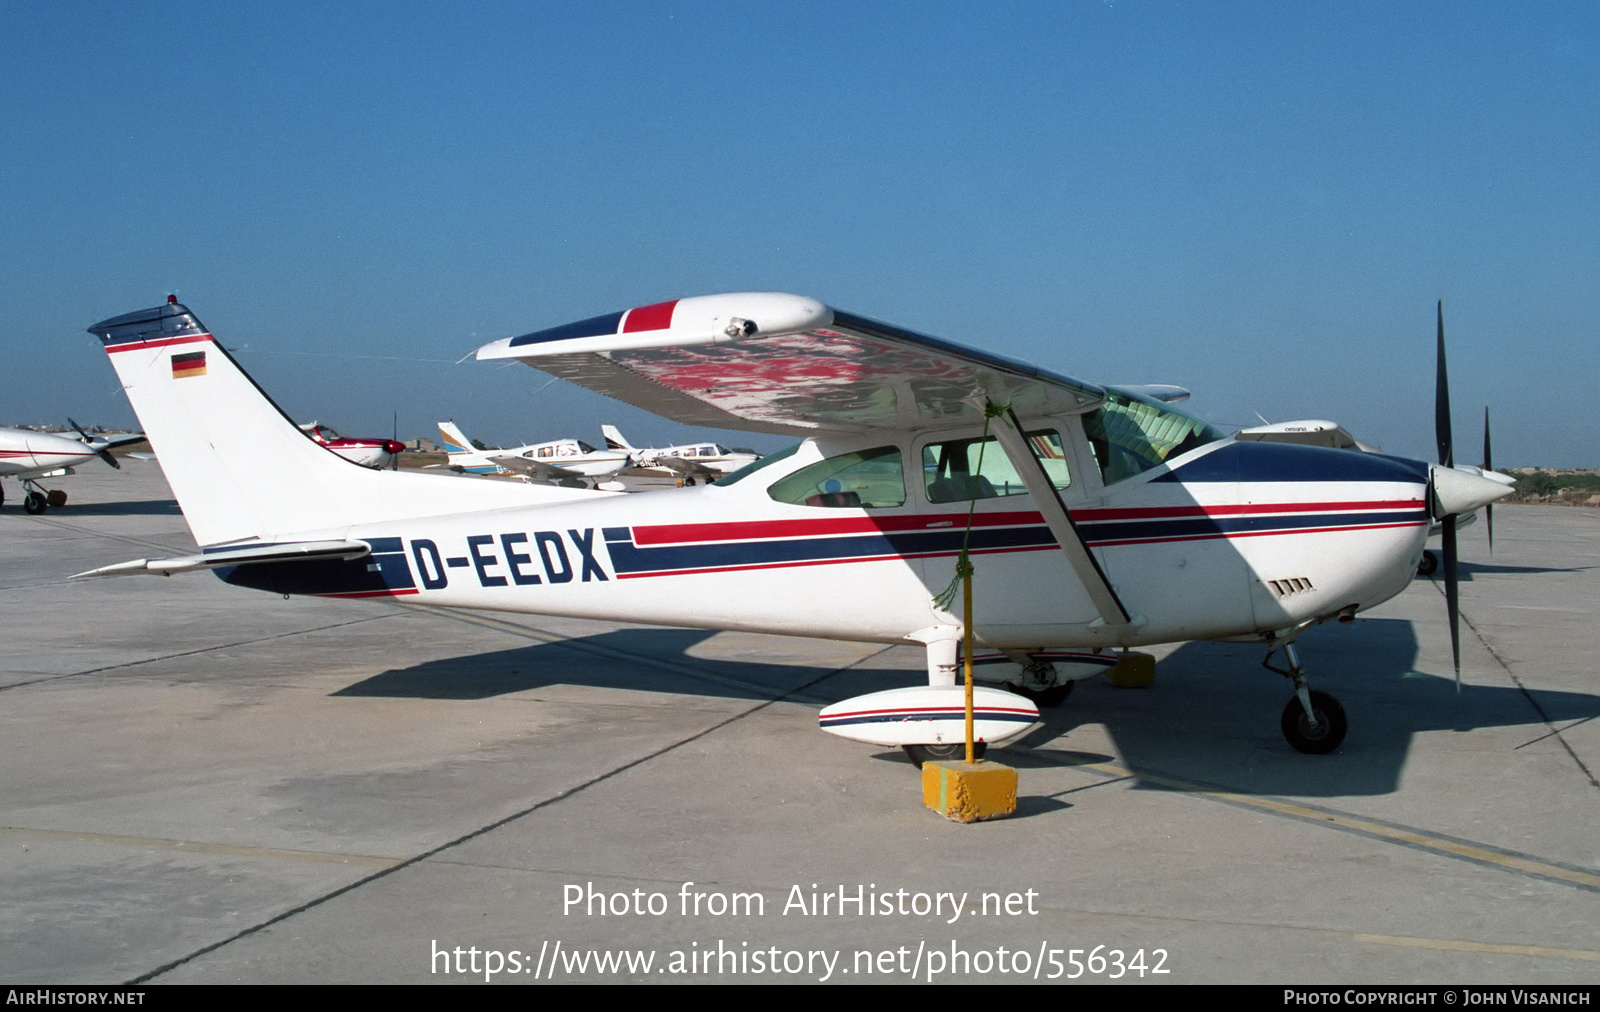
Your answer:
<point x="28" y="456"/>
<point x="568" y="462"/>
<point x="1098" y="518"/>
<point x="368" y="451"/>
<point x="706" y="461"/>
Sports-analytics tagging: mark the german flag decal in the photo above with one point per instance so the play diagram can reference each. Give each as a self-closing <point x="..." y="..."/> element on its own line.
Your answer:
<point x="192" y="364"/>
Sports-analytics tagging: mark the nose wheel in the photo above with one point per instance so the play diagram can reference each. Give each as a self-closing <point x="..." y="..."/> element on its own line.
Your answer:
<point x="1318" y="732"/>
<point x="1313" y="722"/>
<point x="40" y="498"/>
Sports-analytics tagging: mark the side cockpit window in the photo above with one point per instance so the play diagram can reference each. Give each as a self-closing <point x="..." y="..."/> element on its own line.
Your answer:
<point x="959" y="470"/>
<point x="1131" y="435"/>
<point x="869" y="479"/>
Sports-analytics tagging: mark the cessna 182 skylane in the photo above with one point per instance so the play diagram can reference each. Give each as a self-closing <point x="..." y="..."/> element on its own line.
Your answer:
<point x="1098" y="518"/>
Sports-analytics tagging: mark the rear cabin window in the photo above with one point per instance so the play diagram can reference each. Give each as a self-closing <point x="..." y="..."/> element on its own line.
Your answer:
<point x="869" y="479"/>
<point x="959" y="470"/>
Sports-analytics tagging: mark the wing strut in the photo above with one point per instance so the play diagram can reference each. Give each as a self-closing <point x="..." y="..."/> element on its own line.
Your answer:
<point x="1056" y="517"/>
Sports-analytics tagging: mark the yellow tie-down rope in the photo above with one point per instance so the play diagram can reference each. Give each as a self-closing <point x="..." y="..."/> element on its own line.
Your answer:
<point x="963" y="575"/>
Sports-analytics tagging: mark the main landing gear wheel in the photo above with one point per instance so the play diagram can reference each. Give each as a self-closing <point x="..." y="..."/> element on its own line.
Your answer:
<point x="1329" y="731"/>
<point x="919" y="754"/>
<point x="55" y="497"/>
<point x="34" y="503"/>
<point x="1055" y="695"/>
<point x="1429" y="563"/>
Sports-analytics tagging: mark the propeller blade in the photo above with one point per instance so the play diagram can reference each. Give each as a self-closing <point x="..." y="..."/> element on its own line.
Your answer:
<point x="1441" y="402"/>
<point x="1488" y="465"/>
<point x="105" y="454"/>
<point x="1441" y="430"/>
<point x="1452" y="594"/>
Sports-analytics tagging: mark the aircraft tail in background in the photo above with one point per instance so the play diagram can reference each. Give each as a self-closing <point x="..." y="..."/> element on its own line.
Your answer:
<point x="615" y="439"/>
<point x="463" y="455"/>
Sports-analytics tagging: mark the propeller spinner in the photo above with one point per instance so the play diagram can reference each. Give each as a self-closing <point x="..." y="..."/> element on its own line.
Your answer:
<point x="104" y="453"/>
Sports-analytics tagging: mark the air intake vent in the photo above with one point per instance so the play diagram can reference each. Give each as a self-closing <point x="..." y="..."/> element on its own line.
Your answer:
<point x="1293" y="585"/>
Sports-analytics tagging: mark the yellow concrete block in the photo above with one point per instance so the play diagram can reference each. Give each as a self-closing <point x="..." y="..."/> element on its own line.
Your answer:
<point x="1133" y="670"/>
<point x="969" y="792"/>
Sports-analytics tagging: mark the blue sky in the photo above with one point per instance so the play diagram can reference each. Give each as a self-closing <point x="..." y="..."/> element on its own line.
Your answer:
<point x="1261" y="202"/>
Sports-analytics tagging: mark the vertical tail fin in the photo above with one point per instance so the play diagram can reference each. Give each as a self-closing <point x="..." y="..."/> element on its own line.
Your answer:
<point x="455" y="441"/>
<point x="239" y="466"/>
<point x="615" y="439"/>
<point x="463" y="455"/>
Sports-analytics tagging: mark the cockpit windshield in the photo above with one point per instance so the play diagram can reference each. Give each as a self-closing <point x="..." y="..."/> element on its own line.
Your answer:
<point x="1132" y="434"/>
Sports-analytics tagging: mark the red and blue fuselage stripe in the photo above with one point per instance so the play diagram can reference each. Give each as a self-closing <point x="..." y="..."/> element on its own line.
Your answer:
<point x="697" y="548"/>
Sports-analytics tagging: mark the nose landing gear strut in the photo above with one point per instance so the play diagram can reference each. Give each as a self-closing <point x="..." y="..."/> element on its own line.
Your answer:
<point x="1313" y="722"/>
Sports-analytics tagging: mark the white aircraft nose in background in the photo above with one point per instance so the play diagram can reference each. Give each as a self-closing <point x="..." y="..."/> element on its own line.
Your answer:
<point x="27" y="456"/>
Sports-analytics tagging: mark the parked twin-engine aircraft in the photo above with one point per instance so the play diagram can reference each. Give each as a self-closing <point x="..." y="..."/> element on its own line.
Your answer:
<point x="366" y="451"/>
<point x="706" y="461"/>
<point x="28" y="456"/>
<point x="1097" y="518"/>
<point x="568" y="462"/>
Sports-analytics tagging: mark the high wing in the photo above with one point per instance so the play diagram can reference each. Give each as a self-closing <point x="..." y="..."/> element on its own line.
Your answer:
<point x="768" y="362"/>
<point x="1163" y="392"/>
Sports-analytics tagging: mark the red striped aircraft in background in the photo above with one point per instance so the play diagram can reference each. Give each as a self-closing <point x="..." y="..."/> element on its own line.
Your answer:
<point x="366" y="451"/>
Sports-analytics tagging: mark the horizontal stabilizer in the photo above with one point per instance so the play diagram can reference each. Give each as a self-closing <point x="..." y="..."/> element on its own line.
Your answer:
<point x="298" y="551"/>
